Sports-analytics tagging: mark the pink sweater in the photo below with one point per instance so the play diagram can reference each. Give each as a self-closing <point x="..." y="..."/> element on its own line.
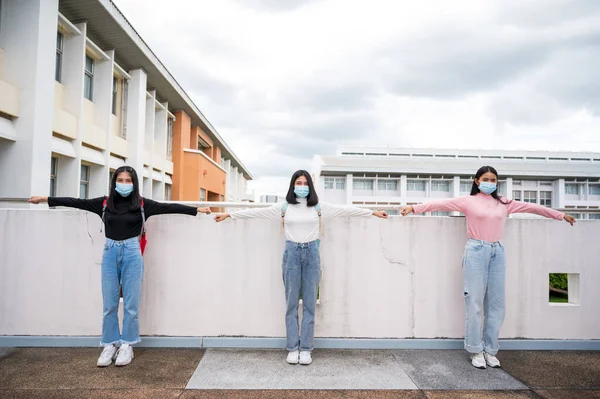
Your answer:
<point x="485" y="215"/>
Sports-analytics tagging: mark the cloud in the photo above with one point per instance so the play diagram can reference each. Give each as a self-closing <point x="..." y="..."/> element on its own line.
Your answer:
<point x="282" y="80"/>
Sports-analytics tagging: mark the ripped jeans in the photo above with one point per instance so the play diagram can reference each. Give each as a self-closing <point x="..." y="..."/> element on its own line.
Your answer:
<point x="484" y="274"/>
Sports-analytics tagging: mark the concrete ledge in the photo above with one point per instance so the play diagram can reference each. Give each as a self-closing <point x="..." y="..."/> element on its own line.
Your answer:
<point x="279" y="343"/>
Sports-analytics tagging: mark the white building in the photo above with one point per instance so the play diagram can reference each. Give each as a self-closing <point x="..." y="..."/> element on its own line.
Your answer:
<point x="402" y="176"/>
<point x="82" y="94"/>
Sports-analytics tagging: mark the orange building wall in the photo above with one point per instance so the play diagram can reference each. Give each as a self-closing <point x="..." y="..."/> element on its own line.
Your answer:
<point x="192" y="171"/>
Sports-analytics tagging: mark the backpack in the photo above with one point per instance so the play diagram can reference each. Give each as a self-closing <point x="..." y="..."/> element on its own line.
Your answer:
<point x="143" y="232"/>
<point x="284" y="208"/>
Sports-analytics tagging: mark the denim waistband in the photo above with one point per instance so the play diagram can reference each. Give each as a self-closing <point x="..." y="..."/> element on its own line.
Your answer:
<point x="129" y="241"/>
<point x="494" y="244"/>
<point x="311" y="244"/>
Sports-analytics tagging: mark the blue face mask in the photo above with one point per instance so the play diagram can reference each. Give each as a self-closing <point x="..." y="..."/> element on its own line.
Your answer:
<point x="124" y="189"/>
<point x="487" y="187"/>
<point x="301" y="191"/>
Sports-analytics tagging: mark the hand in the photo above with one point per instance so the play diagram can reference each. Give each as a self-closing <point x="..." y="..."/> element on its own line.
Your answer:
<point x="407" y="210"/>
<point x="219" y="217"/>
<point x="204" y="210"/>
<point x="569" y="219"/>
<point x="380" y="214"/>
<point x="37" y="200"/>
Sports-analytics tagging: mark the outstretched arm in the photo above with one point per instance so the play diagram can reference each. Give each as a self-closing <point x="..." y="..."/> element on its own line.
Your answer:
<point x="449" y="204"/>
<point x="526" y="207"/>
<point x="93" y="205"/>
<point x="271" y="212"/>
<point x="337" y="211"/>
<point x="152" y="208"/>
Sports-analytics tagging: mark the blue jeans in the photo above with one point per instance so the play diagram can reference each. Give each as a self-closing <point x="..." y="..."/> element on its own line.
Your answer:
<point x="484" y="274"/>
<point x="122" y="264"/>
<point x="301" y="271"/>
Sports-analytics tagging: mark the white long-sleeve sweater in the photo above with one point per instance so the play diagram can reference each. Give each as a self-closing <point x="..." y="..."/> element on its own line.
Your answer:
<point x="301" y="222"/>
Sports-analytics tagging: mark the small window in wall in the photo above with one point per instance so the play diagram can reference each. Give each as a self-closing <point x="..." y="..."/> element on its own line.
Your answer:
<point x="88" y="83"/>
<point x="440" y="185"/>
<point x="53" y="171"/>
<point x="340" y="184"/>
<point x="564" y="288"/>
<point x="517" y="195"/>
<point x="571" y="188"/>
<point x="170" y="137"/>
<point x="393" y="212"/>
<point x="465" y="186"/>
<point x="59" y="53"/>
<point x="530" y="196"/>
<point x="440" y="213"/>
<point x="167" y="192"/>
<point x="115" y="90"/>
<point x="546" y="198"/>
<point x="595" y="216"/>
<point x="84" y="183"/>
<point x="363" y="184"/>
<point x="387" y="185"/>
<point x="594" y="189"/>
<point x="415" y="185"/>
<point x="329" y="183"/>
<point x="202" y="195"/>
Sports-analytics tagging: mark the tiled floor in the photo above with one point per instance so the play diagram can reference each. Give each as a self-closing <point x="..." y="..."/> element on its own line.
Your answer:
<point x="352" y="374"/>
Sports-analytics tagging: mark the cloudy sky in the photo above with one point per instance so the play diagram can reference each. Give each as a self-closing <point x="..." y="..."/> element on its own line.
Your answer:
<point x="282" y="80"/>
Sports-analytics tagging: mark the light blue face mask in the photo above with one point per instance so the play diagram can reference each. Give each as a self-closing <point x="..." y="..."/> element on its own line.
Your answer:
<point x="301" y="191"/>
<point x="487" y="187"/>
<point x="124" y="189"/>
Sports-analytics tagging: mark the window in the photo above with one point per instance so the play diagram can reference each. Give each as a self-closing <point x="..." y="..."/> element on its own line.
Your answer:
<point x="530" y="196"/>
<point x="440" y="185"/>
<point x="114" y="95"/>
<point x="517" y="195"/>
<point x="202" y="195"/>
<point x="465" y="186"/>
<point x="84" y="183"/>
<point x="167" y="192"/>
<point x="572" y="189"/>
<point x="415" y="185"/>
<point x="335" y="183"/>
<point x="170" y="137"/>
<point x="88" y="83"/>
<point x="594" y="215"/>
<point x="393" y="212"/>
<point x="59" y="52"/>
<point x="594" y="189"/>
<point x="546" y="198"/>
<point x="363" y="184"/>
<point x="387" y="185"/>
<point x="53" y="169"/>
<point x="440" y="213"/>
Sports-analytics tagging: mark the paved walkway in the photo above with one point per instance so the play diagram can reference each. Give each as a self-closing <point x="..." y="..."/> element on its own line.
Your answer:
<point x="355" y="374"/>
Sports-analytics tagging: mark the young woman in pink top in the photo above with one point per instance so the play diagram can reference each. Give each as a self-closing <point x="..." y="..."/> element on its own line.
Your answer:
<point x="483" y="261"/>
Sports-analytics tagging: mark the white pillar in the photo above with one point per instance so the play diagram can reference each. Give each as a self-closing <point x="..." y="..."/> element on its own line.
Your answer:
<point x="349" y="188"/>
<point x="403" y="189"/>
<point x="28" y="37"/>
<point x="509" y="188"/>
<point x="136" y="122"/>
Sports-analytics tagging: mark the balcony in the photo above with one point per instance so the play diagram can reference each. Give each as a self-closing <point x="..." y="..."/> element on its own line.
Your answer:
<point x="393" y="285"/>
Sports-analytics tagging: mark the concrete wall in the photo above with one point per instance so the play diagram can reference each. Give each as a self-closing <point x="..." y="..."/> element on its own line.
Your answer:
<point x="383" y="279"/>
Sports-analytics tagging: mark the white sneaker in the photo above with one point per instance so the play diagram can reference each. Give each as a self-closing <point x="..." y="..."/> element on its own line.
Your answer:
<point x="125" y="355"/>
<point x="292" y="357"/>
<point x="305" y="358"/>
<point x="491" y="360"/>
<point x="107" y="356"/>
<point x="477" y="360"/>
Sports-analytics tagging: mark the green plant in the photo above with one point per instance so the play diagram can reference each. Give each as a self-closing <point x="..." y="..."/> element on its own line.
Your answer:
<point x="559" y="281"/>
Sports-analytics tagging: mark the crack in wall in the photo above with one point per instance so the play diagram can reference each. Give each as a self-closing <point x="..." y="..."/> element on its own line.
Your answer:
<point x="87" y="226"/>
<point x="410" y="269"/>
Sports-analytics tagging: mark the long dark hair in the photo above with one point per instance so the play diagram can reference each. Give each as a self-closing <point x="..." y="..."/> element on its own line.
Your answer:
<point x="483" y="170"/>
<point x="313" y="198"/>
<point x="133" y="198"/>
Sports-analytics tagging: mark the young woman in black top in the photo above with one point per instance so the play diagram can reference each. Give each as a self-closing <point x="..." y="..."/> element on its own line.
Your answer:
<point x="122" y="262"/>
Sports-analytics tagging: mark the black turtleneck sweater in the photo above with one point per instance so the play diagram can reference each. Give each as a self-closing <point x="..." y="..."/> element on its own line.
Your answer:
<point x="124" y="223"/>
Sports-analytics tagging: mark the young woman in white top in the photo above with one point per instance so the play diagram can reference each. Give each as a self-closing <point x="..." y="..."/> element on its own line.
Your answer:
<point x="301" y="266"/>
